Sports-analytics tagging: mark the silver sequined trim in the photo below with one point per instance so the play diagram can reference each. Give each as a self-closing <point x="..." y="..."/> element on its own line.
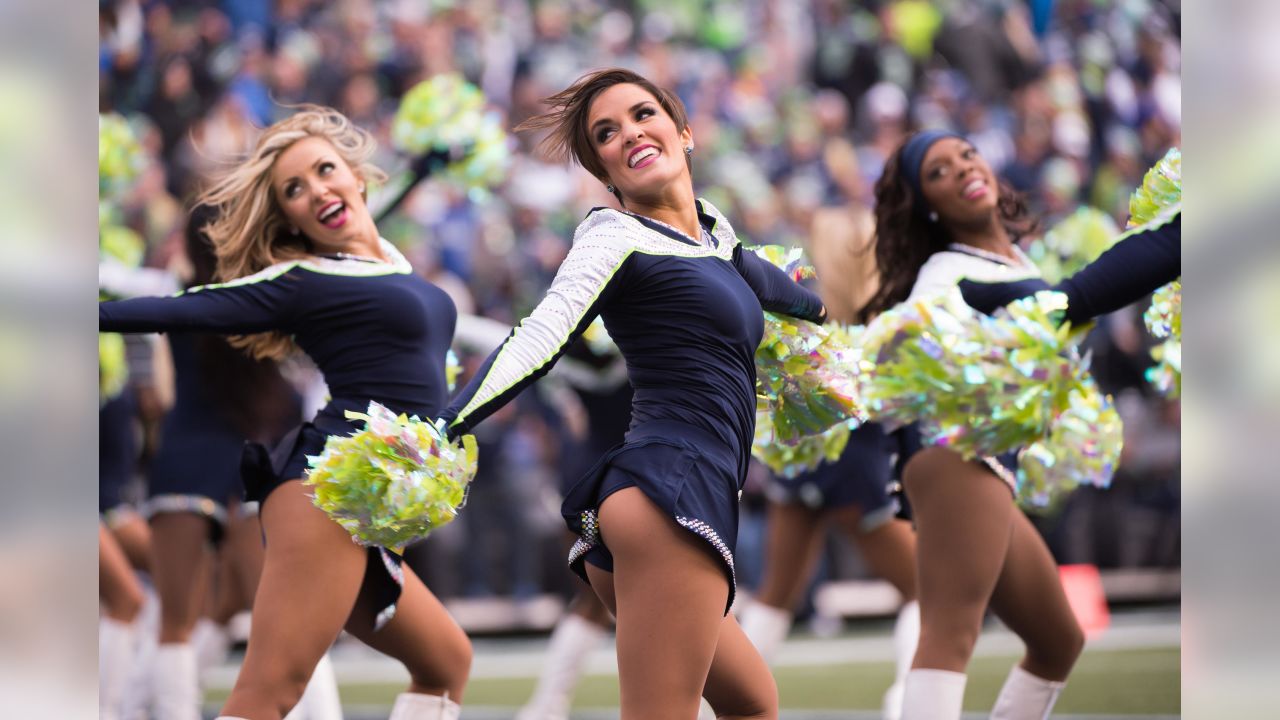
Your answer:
<point x="706" y="532"/>
<point x="396" y="571"/>
<point x="174" y="503"/>
<point x="1003" y="473"/>
<point x="588" y="538"/>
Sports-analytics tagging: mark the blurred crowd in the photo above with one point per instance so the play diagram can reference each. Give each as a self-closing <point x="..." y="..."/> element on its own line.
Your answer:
<point x="794" y="105"/>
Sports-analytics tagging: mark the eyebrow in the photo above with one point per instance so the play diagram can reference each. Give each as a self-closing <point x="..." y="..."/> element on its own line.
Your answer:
<point x="632" y="109"/>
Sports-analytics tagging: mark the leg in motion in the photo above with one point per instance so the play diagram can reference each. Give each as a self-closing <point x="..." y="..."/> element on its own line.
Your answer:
<point x="310" y="579"/>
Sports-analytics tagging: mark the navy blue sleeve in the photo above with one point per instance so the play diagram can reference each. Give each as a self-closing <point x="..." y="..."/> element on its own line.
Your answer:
<point x="255" y="304"/>
<point x="776" y="290"/>
<point x="1139" y="264"/>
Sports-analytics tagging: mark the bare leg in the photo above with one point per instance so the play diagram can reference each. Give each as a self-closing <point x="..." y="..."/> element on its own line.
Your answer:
<point x="739" y="684"/>
<point x="668" y="593"/>
<point x="423" y="636"/>
<point x="118" y="586"/>
<point x="791" y="551"/>
<point x="889" y="550"/>
<point x="1030" y="600"/>
<point x="180" y="569"/>
<point x="964" y="520"/>
<point x="310" y="579"/>
<point x="134" y="537"/>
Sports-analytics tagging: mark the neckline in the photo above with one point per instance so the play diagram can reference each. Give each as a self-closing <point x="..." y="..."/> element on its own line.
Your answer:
<point x="1019" y="259"/>
<point x="351" y="256"/>
<point x="676" y="234"/>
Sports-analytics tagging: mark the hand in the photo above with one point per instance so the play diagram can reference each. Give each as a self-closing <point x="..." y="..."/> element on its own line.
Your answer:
<point x="437" y="159"/>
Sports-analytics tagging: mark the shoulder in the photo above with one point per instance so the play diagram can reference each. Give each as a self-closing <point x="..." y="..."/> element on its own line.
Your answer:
<point x="606" y="228"/>
<point x="264" y="276"/>
<point x="721" y="230"/>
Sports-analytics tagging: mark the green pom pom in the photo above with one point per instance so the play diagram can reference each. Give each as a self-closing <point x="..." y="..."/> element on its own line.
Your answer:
<point x="121" y="244"/>
<point x="806" y="374"/>
<point x="394" y="481"/>
<point x="1082" y="447"/>
<point x="120" y="156"/>
<point x="1164" y="320"/>
<point x="1161" y="191"/>
<point x="447" y="112"/>
<point x="113" y="367"/>
<point x="1073" y="243"/>
<point x="980" y="385"/>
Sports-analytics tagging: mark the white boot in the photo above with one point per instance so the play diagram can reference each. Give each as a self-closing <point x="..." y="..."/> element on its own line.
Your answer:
<point x="766" y="627"/>
<point x="416" y="706"/>
<point x="139" y="690"/>
<point x="177" y="683"/>
<point x="116" y="642"/>
<point x="933" y="695"/>
<point x="320" y="700"/>
<point x="572" y="641"/>
<point x="1026" y="697"/>
<point x="906" y="635"/>
<point x="211" y="643"/>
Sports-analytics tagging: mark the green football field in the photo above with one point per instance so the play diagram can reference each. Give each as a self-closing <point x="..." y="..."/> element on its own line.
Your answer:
<point x="1144" y="682"/>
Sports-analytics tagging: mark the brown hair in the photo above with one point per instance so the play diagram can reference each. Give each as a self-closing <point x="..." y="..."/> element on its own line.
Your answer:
<point x="905" y="239"/>
<point x="250" y="232"/>
<point x="570" y="137"/>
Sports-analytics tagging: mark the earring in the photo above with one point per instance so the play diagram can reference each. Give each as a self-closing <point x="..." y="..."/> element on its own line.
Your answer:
<point x="361" y="187"/>
<point x="611" y="189"/>
<point x="688" y="149"/>
<point x="933" y="216"/>
<point x="293" y="231"/>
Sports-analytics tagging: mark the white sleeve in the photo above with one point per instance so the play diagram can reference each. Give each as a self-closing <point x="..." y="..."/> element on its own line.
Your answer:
<point x="533" y="346"/>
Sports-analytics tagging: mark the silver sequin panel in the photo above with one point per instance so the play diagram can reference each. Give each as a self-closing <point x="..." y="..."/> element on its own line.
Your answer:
<point x="590" y="537"/>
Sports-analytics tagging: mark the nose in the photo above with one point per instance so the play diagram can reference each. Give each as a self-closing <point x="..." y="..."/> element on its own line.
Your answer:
<point x="631" y="134"/>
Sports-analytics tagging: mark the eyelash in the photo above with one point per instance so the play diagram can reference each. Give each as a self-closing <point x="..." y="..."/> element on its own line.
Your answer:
<point x="602" y="136"/>
<point x="325" y="168"/>
<point x="967" y="154"/>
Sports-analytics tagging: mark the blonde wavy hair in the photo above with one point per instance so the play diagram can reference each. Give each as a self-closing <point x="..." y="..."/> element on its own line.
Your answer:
<point x="250" y="232"/>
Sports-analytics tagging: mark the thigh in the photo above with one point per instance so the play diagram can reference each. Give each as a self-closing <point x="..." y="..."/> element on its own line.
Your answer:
<point x="670" y="594"/>
<point x="792" y="546"/>
<point x="889" y="550"/>
<point x="311" y="576"/>
<point x="739" y="683"/>
<point x="1029" y="599"/>
<point x="180" y="567"/>
<point x="963" y="518"/>
<point x="118" y="586"/>
<point x="422" y="635"/>
<point x="602" y="585"/>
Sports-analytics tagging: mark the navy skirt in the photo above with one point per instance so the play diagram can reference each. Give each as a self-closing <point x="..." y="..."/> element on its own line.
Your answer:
<point x="859" y="477"/>
<point x="264" y="469"/>
<point x="117" y="452"/>
<point x="687" y="472"/>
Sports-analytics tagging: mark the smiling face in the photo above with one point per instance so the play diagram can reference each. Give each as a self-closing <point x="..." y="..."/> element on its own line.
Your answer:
<point x="957" y="182"/>
<point x="320" y="194"/>
<point x="636" y="141"/>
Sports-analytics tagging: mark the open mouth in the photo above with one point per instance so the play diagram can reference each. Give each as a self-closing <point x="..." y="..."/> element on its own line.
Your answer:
<point x="975" y="189"/>
<point x="333" y="215"/>
<point x="642" y="156"/>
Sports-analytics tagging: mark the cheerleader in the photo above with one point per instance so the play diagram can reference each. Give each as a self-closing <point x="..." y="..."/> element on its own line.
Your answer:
<point x="850" y="494"/>
<point x="305" y="268"/>
<point x="941" y="216"/>
<point x="657" y="516"/>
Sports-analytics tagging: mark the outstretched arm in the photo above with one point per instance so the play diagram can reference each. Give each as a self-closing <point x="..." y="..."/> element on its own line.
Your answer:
<point x="1140" y="263"/>
<point x="587" y="278"/>
<point x="776" y="290"/>
<point x="253" y="304"/>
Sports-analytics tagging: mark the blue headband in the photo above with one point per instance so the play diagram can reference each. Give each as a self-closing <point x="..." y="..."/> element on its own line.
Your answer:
<point x="913" y="156"/>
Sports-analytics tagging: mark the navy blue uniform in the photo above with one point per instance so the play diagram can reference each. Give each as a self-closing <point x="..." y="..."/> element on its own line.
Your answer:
<point x="687" y="316"/>
<point x="117" y="451"/>
<point x="860" y="476"/>
<point x="376" y="330"/>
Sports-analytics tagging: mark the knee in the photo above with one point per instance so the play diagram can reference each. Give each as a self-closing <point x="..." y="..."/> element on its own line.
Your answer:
<point x="1056" y="656"/>
<point x="951" y="639"/>
<point x="281" y="690"/>
<point x="450" y="666"/>
<point x="761" y="705"/>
